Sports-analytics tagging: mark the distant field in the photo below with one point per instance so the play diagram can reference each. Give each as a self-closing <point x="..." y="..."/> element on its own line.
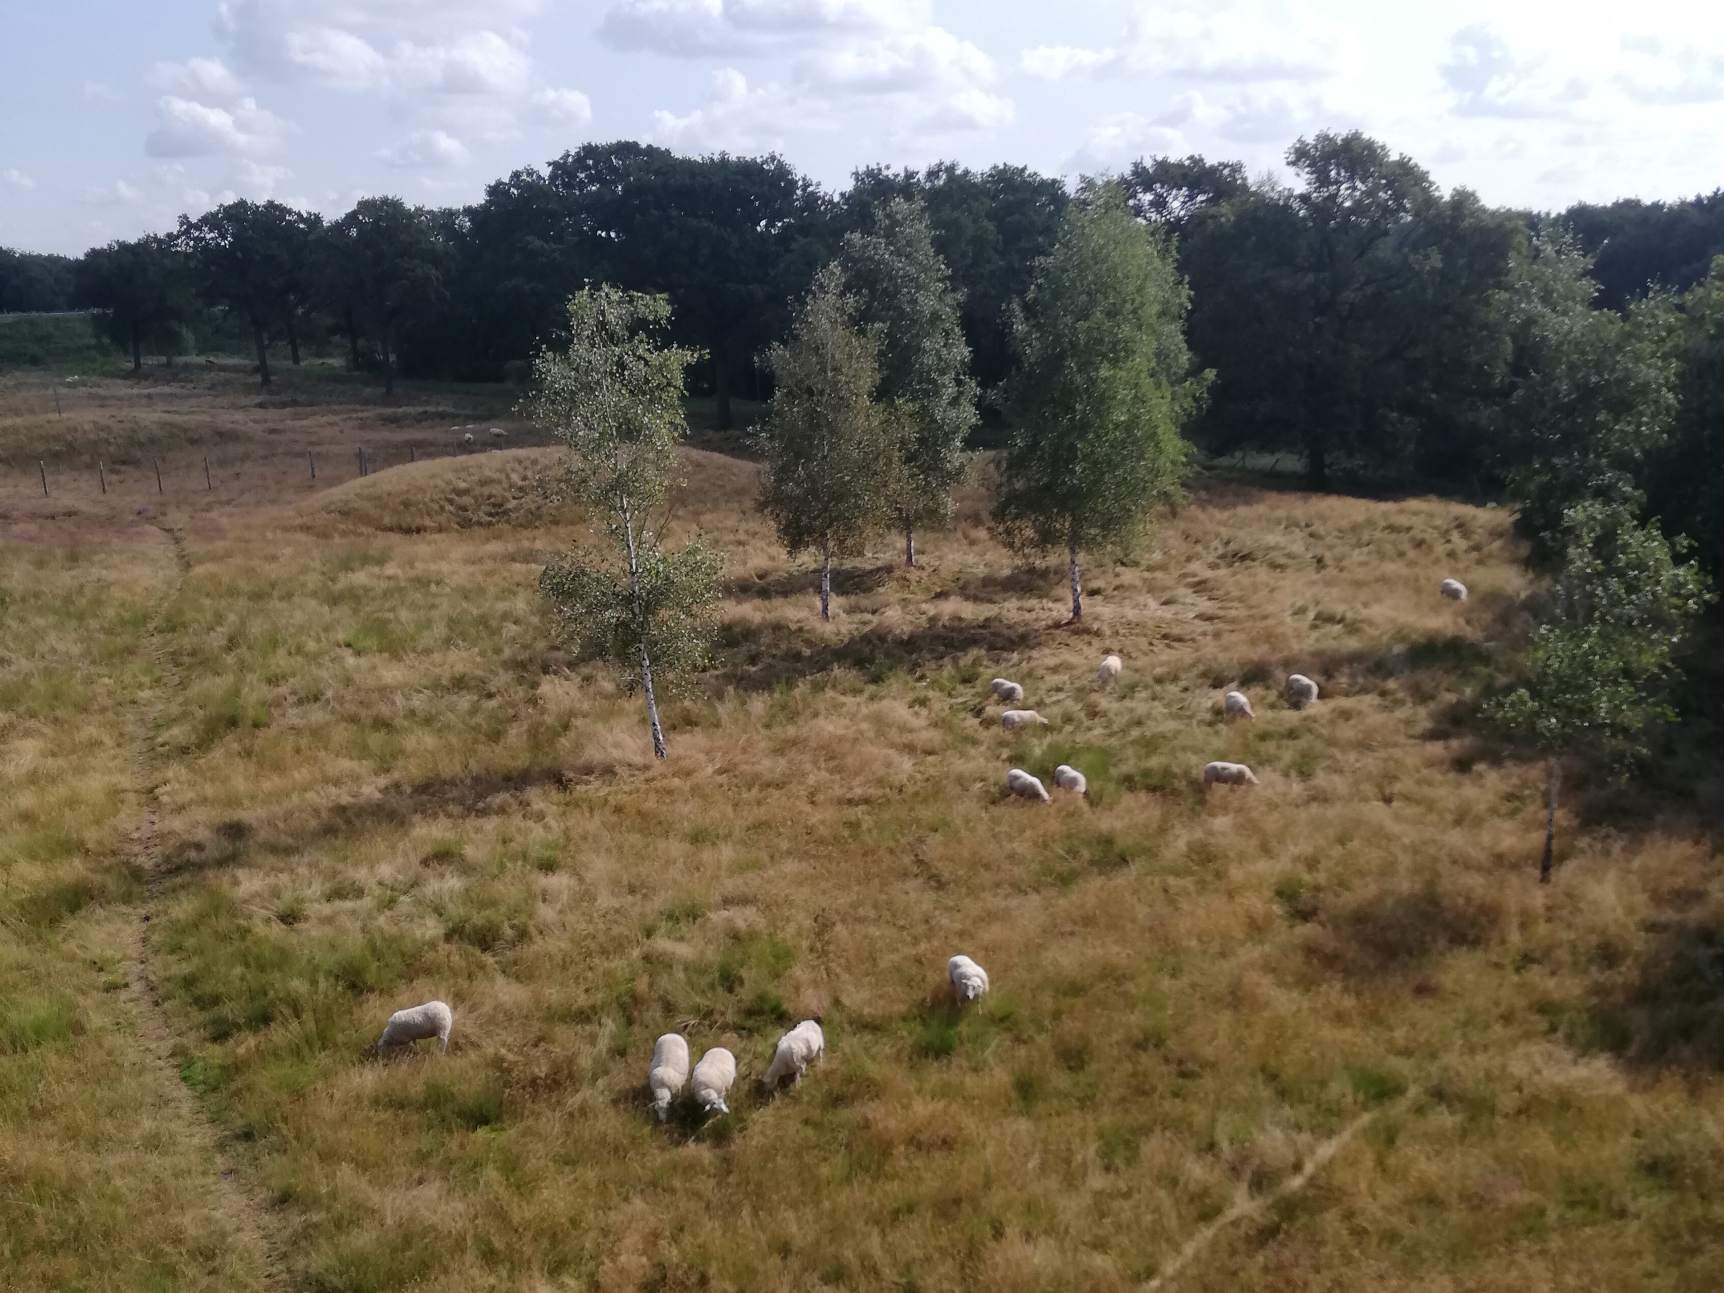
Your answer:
<point x="317" y="733"/>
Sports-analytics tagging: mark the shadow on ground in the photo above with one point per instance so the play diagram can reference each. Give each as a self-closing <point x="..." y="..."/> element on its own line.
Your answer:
<point x="761" y="657"/>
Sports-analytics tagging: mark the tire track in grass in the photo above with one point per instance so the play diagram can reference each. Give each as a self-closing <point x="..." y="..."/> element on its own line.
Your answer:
<point x="233" y="1200"/>
<point x="1246" y="1204"/>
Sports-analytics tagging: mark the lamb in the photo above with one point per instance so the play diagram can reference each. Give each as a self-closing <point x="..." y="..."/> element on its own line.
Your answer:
<point x="797" y="1049"/>
<point x="712" y="1079"/>
<point x="968" y="979"/>
<point x="1111" y="665"/>
<point x="1301" y="691"/>
<point x="1006" y="690"/>
<point x="1227" y="774"/>
<point x="433" y="1019"/>
<point x="1013" y="718"/>
<point x="669" y="1071"/>
<point x="1453" y="589"/>
<point x="1023" y="785"/>
<point x="497" y="433"/>
<point x="1069" y="778"/>
<point x="1238" y="705"/>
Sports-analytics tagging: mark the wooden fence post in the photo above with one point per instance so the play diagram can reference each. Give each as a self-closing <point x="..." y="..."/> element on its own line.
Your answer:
<point x="102" y="475"/>
<point x="44" y="471"/>
<point x="158" y="463"/>
<point x="313" y="461"/>
<point x="208" y="484"/>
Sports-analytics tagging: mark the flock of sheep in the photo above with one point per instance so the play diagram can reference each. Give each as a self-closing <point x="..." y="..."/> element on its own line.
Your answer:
<point x="711" y="1079"/>
<point x="465" y="439"/>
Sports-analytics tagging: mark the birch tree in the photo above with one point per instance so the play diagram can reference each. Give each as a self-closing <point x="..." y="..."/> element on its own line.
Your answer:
<point x="832" y="452"/>
<point x="1621" y="604"/>
<point x="1102" y="389"/>
<point x="905" y="296"/>
<point x="614" y="397"/>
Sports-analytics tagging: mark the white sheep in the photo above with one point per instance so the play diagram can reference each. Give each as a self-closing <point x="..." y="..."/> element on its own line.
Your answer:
<point x="1111" y="665"/>
<point x="1238" y="705"/>
<point x="1453" y="589"/>
<point x="1301" y="691"/>
<point x="1069" y="778"/>
<point x="433" y="1019"/>
<point x="968" y="979"/>
<point x="712" y="1079"/>
<point x="1024" y="786"/>
<point x="795" y="1051"/>
<point x="1014" y="718"/>
<point x="668" y="1072"/>
<point x="497" y="433"/>
<point x="1227" y="774"/>
<point x="468" y="440"/>
<point x="1006" y="690"/>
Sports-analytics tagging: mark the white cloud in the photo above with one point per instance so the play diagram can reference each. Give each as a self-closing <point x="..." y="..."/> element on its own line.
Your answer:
<point x="16" y="179"/>
<point x="197" y="78"/>
<point x="561" y="107"/>
<point x="1239" y="43"/>
<point x="453" y="70"/>
<point x="427" y="148"/>
<point x="1654" y="75"/>
<point x="930" y="59"/>
<point x="1488" y="80"/>
<point x="101" y="92"/>
<point x="696" y="28"/>
<point x="119" y="193"/>
<point x="254" y="180"/>
<point x="187" y="128"/>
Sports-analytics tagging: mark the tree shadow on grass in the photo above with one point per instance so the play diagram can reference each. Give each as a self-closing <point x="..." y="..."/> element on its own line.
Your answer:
<point x="846" y="582"/>
<point x="395" y="805"/>
<point x="762" y="657"/>
<point x="1004" y="586"/>
<point x="1665" y="1009"/>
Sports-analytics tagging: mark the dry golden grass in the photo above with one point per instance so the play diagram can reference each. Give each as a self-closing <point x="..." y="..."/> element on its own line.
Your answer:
<point x="381" y="782"/>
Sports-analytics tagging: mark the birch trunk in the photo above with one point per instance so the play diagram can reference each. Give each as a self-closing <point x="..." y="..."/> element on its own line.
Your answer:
<point x="826" y="580"/>
<point x="658" y="747"/>
<point x="1077" y="583"/>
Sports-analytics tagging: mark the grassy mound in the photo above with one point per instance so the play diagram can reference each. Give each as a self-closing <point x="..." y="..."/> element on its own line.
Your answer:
<point x="472" y="492"/>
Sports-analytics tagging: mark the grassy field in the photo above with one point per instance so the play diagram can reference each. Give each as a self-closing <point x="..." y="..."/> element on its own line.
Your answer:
<point x="279" y="757"/>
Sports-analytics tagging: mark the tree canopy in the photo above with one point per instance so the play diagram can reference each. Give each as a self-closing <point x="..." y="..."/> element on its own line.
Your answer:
<point x="1102" y="390"/>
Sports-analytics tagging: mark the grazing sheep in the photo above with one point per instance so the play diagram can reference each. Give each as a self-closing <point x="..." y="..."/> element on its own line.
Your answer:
<point x="433" y="1019"/>
<point x="1227" y="774"/>
<point x="1010" y="718"/>
<point x="1301" y="691"/>
<point x="712" y="1078"/>
<point x="497" y="433"/>
<point x="1110" y="669"/>
<point x="968" y="979"/>
<point x="1453" y="589"/>
<point x="1238" y="705"/>
<point x="797" y="1049"/>
<point x="669" y="1071"/>
<point x="1024" y="786"/>
<point x="1006" y="690"/>
<point x="468" y="440"/>
<point x="1069" y="778"/>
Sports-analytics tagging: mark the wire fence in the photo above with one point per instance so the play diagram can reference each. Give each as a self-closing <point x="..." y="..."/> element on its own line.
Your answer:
<point x="209" y="474"/>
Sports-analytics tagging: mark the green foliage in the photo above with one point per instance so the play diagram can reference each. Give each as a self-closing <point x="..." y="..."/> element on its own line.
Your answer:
<point x="145" y="289"/>
<point x="614" y="397"/>
<point x="669" y="613"/>
<point x="379" y="262"/>
<point x="1103" y="388"/>
<point x="1588" y="393"/>
<point x="1685" y="480"/>
<point x="831" y="451"/>
<point x="904" y="293"/>
<point x="252" y="258"/>
<point x="1622" y="602"/>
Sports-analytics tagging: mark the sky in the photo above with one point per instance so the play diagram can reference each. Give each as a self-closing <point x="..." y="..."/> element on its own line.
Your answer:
<point x="117" y="116"/>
